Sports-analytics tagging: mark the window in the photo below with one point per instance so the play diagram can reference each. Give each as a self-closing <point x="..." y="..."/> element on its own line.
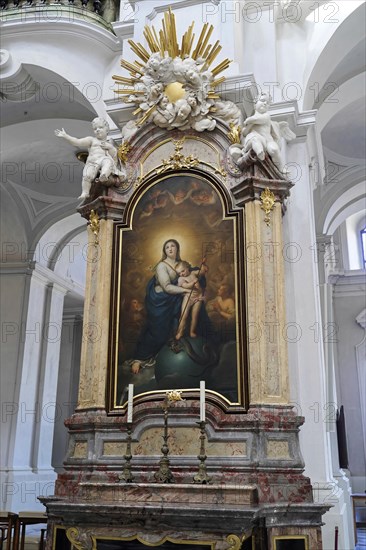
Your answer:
<point x="363" y="247"/>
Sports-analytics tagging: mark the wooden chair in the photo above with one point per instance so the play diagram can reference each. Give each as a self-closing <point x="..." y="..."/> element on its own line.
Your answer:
<point x="7" y="529"/>
<point x="24" y="519"/>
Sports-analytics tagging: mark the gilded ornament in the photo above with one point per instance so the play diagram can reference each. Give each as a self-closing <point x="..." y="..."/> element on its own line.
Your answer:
<point x="123" y="151"/>
<point x="73" y="536"/>
<point x="94" y="224"/>
<point x="175" y="91"/>
<point x="267" y="199"/>
<point x="173" y="396"/>
<point x="177" y="161"/>
<point x="235" y="133"/>
<point x="217" y="169"/>
<point x="234" y="541"/>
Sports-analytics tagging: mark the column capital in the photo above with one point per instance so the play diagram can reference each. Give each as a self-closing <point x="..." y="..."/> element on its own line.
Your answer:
<point x="17" y="268"/>
<point x="109" y="205"/>
<point x="257" y="176"/>
<point x="324" y="239"/>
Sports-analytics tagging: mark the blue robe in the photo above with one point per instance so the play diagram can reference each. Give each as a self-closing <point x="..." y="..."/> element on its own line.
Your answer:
<point x="163" y="313"/>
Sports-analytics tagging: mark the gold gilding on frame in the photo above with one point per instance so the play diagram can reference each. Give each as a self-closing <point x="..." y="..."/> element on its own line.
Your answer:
<point x="236" y="541"/>
<point x="267" y="199"/>
<point x="115" y="405"/>
<point x="73" y="536"/>
<point x="304" y="538"/>
<point x="94" y="224"/>
<point x="210" y="545"/>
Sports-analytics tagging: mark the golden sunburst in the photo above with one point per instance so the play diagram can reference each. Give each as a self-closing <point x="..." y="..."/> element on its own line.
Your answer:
<point x="165" y="43"/>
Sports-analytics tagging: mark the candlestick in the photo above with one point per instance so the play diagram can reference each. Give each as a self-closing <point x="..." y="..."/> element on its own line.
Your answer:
<point x="164" y="474"/>
<point x="130" y="404"/>
<point x="202" y="401"/>
<point x="201" y="476"/>
<point x="127" y="474"/>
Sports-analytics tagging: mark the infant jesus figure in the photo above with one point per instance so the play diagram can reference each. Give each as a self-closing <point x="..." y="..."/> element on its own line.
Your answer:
<point x="192" y="302"/>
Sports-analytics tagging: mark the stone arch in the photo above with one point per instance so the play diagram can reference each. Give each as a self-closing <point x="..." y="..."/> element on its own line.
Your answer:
<point x="348" y="203"/>
<point x="335" y="43"/>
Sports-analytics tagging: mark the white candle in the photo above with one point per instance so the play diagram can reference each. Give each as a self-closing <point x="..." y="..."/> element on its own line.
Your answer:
<point x="202" y="401"/>
<point x="130" y="403"/>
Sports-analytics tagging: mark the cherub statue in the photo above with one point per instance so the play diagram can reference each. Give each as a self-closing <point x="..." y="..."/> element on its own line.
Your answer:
<point x="102" y="157"/>
<point x="262" y="134"/>
<point x="164" y="113"/>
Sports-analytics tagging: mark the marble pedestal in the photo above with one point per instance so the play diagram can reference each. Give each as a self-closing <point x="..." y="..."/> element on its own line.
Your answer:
<point x="253" y="459"/>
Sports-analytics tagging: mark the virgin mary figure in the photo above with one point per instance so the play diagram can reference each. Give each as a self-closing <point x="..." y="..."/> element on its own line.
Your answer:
<point x="163" y="304"/>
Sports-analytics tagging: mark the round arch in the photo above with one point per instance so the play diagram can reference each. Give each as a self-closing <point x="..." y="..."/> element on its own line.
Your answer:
<point x="350" y="202"/>
<point x="335" y="43"/>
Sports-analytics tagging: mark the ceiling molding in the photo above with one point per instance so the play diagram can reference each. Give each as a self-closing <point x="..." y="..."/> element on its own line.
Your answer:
<point x="361" y="319"/>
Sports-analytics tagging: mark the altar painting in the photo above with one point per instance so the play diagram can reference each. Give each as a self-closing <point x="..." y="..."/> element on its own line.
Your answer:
<point x="178" y="314"/>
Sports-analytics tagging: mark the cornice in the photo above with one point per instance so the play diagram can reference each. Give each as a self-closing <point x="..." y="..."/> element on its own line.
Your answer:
<point x="64" y="24"/>
<point x="124" y="29"/>
<point x="16" y="268"/>
<point x="361" y="318"/>
<point x="349" y="276"/>
<point x="52" y="277"/>
<point x="348" y="283"/>
<point x="43" y="275"/>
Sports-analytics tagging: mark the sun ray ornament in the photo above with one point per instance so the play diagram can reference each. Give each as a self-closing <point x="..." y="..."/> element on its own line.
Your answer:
<point x="173" y="85"/>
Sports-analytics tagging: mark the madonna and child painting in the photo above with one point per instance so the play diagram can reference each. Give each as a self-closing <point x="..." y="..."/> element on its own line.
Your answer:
<point x="178" y="313"/>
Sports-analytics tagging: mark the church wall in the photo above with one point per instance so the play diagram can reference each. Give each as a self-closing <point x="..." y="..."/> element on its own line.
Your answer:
<point x="349" y="336"/>
<point x="68" y="381"/>
<point x="307" y="366"/>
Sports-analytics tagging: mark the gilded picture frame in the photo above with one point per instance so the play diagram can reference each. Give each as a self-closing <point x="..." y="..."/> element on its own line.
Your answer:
<point x="179" y="316"/>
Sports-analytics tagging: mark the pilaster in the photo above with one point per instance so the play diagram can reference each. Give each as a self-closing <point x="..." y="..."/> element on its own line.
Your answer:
<point x="31" y="417"/>
<point x="95" y="343"/>
<point x="268" y="330"/>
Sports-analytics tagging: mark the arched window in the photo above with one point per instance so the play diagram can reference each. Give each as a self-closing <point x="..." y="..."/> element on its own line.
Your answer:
<point x="363" y="247"/>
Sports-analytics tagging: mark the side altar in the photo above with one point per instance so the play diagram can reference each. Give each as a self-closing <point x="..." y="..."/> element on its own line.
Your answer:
<point x="183" y="433"/>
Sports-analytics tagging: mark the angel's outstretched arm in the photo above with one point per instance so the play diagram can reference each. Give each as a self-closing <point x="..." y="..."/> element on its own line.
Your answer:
<point x="78" y="142"/>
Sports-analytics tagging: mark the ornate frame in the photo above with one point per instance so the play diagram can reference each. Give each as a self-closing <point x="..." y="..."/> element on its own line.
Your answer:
<point x="230" y="213"/>
<point x="275" y="538"/>
<point x="90" y="541"/>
